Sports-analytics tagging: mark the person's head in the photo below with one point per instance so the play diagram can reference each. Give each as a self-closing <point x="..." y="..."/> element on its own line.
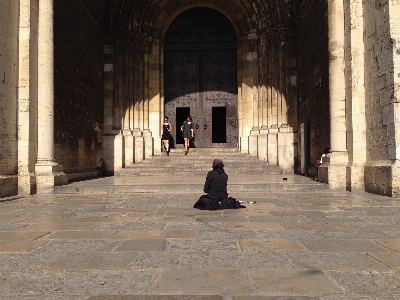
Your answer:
<point x="189" y="119"/>
<point x="165" y="119"/>
<point x="217" y="163"/>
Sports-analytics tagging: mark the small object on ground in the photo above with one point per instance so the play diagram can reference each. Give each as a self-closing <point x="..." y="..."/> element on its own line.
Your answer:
<point x="248" y="202"/>
<point x="284" y="178"/>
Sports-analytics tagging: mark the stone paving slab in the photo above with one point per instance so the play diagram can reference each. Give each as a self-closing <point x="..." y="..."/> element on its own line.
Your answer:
<point x="20" y="246"/>
<point x="94" y="261"/>
<point x="270" y="245"/>
<point x="80" y="235"/>
<point x="295" y="282"/>
<point x="142" y="245"/>
<point x="108" y="219"/>
<point x="201" y="281"/>
<point x="391" y="259"/>
<point x="155" y="234"/>
<point x="335" y="261"/>
<point x="58" y="227"/>
<point x="341" y="245"/>
<point x="161" y="297"/>
<point x="253" y="226"/>
<point x="390" y="244"/>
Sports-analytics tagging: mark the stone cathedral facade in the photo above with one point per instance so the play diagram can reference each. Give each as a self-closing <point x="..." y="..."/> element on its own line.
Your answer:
<point x="85" y="85"/>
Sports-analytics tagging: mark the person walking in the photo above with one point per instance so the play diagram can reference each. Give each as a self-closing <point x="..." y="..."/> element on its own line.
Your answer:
<point x="187" y="133"/>
<point x="166" y="134"/>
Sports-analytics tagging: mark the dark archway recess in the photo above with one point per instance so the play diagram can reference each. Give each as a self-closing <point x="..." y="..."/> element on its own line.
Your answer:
<point x="201" y="72"/>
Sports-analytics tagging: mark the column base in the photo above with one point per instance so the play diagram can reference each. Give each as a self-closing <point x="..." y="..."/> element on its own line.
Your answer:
<point x="48" y="175"/>
<point x="273" y="146"/>
<point x="336" y="169"/>
<point x="112" y="153"/>
<point x="253" y="142"/>
<point x="8" y="186"/>
<point x="128" y="151"/>
<point x="286" y="150"/>
<point x="244" y="143"/>
<point x="148" y="144"/>
<point x="383" y="178"/>
<point x="26" y="184"/>
<point x="355" y="177"/>
<point x="138" y="145"/>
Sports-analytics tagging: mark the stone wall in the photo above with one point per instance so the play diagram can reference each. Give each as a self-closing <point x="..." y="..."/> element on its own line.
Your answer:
<point x="313" y="80"/>
<point x="78" y="89"/>
<point x="8" y="96"/>
<point x="379" y="96"/>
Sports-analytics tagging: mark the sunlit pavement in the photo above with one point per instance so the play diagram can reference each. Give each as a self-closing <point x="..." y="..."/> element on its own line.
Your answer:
<point x="288" y="245"/>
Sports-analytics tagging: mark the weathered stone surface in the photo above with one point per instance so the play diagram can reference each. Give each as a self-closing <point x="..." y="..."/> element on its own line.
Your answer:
<point x="270" y="245"/>
<point x="200" y="259"/>
<point x="336" y="261"/>
<point x="142" y="245"/>
<point x="295" y="282"/>
<point x="93" y="261"/>
<point x="200" y="281"/>
<point x="153" y="234"/>
<point x="342" y="246"/>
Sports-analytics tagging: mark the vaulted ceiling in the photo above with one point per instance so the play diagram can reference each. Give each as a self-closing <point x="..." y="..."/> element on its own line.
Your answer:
<point x="148" y="17"/>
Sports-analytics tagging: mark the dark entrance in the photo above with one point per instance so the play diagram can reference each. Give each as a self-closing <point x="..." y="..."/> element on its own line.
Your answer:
<point x="201" y="74"/>
<point x="219" y="124"/>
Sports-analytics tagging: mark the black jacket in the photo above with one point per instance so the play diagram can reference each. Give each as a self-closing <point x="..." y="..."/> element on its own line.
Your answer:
<point x="216" y="184"/>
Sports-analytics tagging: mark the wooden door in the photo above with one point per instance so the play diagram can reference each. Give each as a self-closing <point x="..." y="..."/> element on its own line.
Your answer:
<point x="200" y="60"/>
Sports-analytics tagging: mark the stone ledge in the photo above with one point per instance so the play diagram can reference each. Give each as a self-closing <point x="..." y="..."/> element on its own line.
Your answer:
<point x="8" y="186"/>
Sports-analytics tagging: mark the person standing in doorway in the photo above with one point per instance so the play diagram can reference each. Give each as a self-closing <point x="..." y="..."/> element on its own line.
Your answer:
<point x="187" y="133"/>
<point x="166" y="134"/>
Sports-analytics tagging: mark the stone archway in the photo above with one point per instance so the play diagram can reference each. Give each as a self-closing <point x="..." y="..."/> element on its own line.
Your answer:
<point x="200" y="73"/>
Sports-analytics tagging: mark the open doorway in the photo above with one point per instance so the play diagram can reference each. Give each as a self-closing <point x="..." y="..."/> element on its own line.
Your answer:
<point x="219" y="125"/>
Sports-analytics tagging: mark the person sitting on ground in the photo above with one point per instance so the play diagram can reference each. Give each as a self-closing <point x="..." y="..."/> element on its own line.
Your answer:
<point x="216" y="189"/>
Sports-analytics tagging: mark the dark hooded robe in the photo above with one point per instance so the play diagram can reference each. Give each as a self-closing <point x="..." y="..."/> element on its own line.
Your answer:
<point x="216" y="189"/>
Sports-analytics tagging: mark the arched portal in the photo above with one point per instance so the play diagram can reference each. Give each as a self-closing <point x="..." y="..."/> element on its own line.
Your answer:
<point x="200" y="75"/>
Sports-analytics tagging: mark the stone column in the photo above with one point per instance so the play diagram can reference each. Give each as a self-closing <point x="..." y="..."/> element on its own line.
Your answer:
<point x="112" y="140"/>
<point x="125" y="47"/>
<point x="273" y="109"/>
<point x="264" y="63"/>
<point x="138" y="99"/>
<point x="253" y="68"/>
<point x="356" y="92"/>
<point x="27" y="96"/>
<point x="337" y="160"/>
<point x="245" y="99"/>
<point x="155" y="93"/>
<point x="392" y="111"/>
<point x="48" y="172"/>
<point x="147" y="135"/>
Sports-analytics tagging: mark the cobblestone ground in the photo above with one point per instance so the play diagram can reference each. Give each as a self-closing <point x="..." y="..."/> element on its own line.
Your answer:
<point x="317" y="245"/>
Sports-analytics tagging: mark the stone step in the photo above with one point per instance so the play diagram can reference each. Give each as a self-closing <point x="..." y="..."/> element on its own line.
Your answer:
<point x="184" y="188"/>
<point x="197" y="162"/>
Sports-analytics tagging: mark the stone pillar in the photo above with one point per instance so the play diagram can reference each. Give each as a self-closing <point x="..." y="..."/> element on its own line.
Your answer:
<point x="253" y="69"/>
<point x="48" y="172"/>
<point x="355" y="90"/>
<point x="155" y="93"/>
<point x="137" y="133"/>
<point x="273" y="100"/>
<point x="147" y="135"/>
<point x="27" y="97"/>
<point x="394" y="107"/>
<point x="262" y="144"/>
<point x="246" y="99"/>
<point x="126" y="47"/>
<point x="337" y="160"/>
